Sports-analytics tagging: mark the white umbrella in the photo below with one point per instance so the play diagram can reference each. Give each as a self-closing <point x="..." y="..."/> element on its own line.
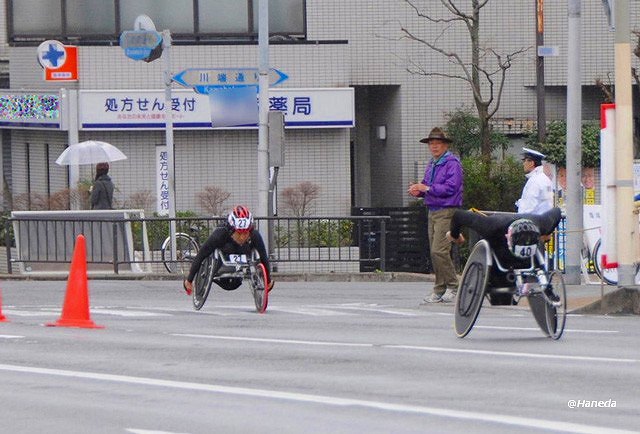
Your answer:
<point x="90" y="152"/>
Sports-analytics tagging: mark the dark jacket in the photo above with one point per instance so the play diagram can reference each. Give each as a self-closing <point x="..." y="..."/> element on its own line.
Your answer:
<point x="102" y="193"/>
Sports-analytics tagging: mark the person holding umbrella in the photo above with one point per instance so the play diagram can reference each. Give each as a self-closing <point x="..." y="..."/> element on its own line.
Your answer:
<point x="102" y="188"/>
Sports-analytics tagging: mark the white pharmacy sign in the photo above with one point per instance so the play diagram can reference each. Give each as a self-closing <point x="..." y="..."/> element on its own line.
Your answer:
<point x="144" y="109"/>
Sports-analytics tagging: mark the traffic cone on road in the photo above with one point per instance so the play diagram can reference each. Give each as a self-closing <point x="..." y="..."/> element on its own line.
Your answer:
<point x="75" y="312"/>
<point x="2" y="317"/>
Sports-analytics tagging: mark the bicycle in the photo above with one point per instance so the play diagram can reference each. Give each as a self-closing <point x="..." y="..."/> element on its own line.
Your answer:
<point x="187" y="247"/>
<point x="481" y="276"/>
<point x="229" y="271"/>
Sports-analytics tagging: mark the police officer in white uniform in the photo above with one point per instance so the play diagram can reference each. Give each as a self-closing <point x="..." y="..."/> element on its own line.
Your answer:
<point x="537" y="194"/>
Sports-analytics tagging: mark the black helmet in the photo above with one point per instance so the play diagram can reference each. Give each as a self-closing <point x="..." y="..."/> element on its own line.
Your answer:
<point x="522" y="238"/>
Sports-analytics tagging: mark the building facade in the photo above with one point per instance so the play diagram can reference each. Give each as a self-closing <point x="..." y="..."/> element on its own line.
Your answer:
<point x="320" y="45"/>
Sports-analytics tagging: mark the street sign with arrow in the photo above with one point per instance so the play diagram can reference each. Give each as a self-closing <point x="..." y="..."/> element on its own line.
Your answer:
<point x="203" y="80"/>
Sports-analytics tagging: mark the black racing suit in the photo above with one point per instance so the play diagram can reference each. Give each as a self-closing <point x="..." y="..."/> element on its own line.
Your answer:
<point x="493" y="228"/>
<point x="221" y="239"/>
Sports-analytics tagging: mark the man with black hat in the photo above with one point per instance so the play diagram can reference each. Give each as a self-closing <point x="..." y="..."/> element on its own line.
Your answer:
<point x="441" y="189"/>
<point x="537" y="194"/>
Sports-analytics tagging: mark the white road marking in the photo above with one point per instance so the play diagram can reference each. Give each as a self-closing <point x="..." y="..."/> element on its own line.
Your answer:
<point x="537" y="329"/>
<point x="11" y="337"/>
<point x="516" y="354"/>
<point x="412" y="347"/>
<point x="369" y="308"/>
<point x="325" y="400"/>
<point x="146" y="431"/>
<point x="277" y="341"/>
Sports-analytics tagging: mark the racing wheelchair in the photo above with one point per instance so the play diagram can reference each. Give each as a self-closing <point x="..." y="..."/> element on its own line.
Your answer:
<point x="229" y="271"/>
<point x="505" y="280"/>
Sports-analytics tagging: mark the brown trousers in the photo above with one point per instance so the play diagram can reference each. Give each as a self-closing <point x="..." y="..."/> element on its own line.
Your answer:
<point x="440" y="248"/>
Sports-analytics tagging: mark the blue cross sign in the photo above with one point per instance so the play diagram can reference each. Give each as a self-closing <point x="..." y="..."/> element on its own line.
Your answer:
<point x="203" y="80"/>
<point x="52" y="54"/>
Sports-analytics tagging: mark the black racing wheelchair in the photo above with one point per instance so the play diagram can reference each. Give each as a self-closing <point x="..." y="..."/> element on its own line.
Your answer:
<point x="507" y="279"/>
<point x="229" y="271"/>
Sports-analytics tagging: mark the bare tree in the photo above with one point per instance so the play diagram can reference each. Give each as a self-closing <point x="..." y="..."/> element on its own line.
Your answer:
<point x="485" y="72"/>
<point x="141" y="199"/>
<point x="212" y="198"/>
<point x="298" y="198"/>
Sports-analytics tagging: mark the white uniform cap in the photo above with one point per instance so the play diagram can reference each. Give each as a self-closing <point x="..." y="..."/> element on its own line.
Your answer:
<point x="533" y="154"/>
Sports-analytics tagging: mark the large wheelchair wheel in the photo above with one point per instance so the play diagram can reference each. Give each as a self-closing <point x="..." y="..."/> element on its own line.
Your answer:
<point x="202" y="282"/>
<point x="259" y="288"/>
<point x="556" y="313"/>
<point x="473" y="285"/>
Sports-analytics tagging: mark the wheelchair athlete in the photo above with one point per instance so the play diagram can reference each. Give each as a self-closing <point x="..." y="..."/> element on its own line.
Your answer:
<point x="236" y="236"/>
<point x="508" y="236"/>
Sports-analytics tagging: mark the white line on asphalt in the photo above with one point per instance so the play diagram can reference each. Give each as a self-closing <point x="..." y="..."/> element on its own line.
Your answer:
<point x="146" y="431"/>
<point x="272" y="341"/>
<point x="515" y="354"/>
<point x="372" y="308"/>
<point x="325" y="400"/>
<point x="537" y="329"/>
<point x="410" y="347"/>
<point x="11" y="337"/>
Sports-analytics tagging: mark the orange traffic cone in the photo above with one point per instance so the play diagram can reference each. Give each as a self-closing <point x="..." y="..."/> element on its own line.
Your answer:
<point x="75" y="312"/>
<point x="2" y="317"/>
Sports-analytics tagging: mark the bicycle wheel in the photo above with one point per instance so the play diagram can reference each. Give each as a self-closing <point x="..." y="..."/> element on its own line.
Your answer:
<point x="609" y="275"/>
<point x="202" y="282"/>
<point x="258" y="288"/>
<point x="186" y="250"/>
<point x="473" y="285"/>
<point x="556" y="314"/>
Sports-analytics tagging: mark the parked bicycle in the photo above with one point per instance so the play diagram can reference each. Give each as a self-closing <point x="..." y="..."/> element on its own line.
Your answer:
<point x="187" y="247"/>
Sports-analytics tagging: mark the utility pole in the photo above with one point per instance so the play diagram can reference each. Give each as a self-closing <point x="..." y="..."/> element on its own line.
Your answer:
<point x="627" y="221"/>
<point x="542" y="123"/>
<point x="263" y="115"/>
<point x="574" y="146"/>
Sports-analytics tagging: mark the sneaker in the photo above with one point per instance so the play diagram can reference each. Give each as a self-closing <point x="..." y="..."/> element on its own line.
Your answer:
<point x="449" y="296"/>
<point x="433" y="298"/>
<point x="188" y="287"/>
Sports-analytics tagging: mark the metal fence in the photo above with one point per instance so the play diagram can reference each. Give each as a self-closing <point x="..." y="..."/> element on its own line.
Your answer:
<point x="134" y="245"/>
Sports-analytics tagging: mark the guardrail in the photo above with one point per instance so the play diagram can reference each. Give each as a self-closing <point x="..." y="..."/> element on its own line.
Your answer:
<point x="296" y="244"/>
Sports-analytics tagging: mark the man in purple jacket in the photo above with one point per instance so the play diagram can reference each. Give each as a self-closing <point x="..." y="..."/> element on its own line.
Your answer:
<point x="441" y="189"/>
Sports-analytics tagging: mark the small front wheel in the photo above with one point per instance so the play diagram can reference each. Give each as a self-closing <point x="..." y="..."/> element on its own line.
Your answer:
<point x="186" y="250"/>
<point x="259" y="287"/>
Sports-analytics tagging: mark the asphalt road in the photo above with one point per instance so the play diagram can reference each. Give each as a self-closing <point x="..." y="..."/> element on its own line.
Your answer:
<point x="327" y="357"/>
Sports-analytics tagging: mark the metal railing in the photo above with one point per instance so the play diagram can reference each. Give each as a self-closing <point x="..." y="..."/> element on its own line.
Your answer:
<point x="296" y="244"/>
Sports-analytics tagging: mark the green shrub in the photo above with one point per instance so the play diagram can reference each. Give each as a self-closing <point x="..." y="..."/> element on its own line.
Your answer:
<point x="497" y="192"/>
<point x="315" y="233"/>
<point x="555" y="147"/>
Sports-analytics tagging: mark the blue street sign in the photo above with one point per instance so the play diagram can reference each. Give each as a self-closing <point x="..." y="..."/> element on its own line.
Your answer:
<point x="205" y="79"/>
<point x="140" y="44"/>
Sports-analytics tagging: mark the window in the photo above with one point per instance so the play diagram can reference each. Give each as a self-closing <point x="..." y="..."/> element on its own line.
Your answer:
<point x="223" y="17"/>
<point x="285" y="17"/>
<point x="81" y="17"/>
<point x="37" y="17"/>
<point x="175" y="15"/>
<point x="102" y="21"/>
